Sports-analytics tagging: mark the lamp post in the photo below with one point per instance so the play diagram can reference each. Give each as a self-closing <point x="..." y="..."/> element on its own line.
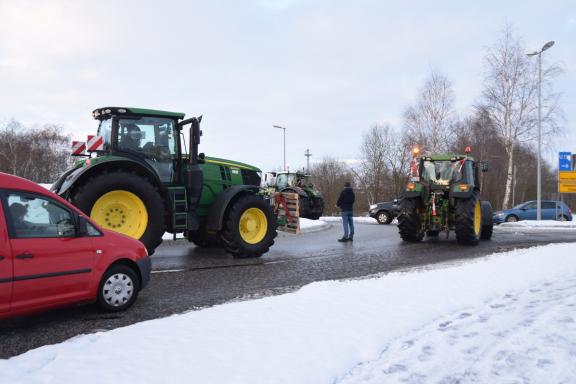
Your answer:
<point x="284" y="129"/>
<point x="538" y="175"/>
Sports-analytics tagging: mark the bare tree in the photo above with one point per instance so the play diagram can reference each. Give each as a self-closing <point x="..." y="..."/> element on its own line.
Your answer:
<point x="329" y="176"/>
<point x="428" y="121"/>
<point x="510" y="98"/>
<point x="385" y="157"/>
<point x="39" y="154"/>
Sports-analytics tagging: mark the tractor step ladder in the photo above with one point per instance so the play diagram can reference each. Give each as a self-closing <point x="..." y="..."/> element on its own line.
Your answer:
<point x="179" y="207"/>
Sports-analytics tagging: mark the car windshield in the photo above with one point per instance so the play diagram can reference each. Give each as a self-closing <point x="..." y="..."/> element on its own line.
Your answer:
<point x="441" y="172"/>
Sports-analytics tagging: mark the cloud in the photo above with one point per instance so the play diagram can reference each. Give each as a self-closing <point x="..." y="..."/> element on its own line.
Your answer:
<point x="278" y="5"/>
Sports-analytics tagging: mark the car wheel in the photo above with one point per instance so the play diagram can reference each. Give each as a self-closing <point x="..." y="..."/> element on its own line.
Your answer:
<point x="118" y="289"/>
<point x="562" y="218"/>
<point x="511" y="219"/>
<point x="383" y="217"/>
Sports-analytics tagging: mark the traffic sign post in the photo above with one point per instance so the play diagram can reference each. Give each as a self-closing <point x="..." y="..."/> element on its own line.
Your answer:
<point x="567" y="182"/>
<point x="566" y="173"/>
<point x="565" y="161"/>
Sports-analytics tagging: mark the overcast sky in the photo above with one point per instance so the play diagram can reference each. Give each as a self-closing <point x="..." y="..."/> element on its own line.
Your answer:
<point x="326" y="70"/>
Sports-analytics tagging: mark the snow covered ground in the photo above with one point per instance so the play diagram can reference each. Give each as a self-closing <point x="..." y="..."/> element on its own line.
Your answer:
<point x="357" y="219"/>
<point x="539" y="225"/>
<point x="506" y="318"/>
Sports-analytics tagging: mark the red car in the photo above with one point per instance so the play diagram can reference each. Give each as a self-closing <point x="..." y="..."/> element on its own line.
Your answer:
<point x="52" y="255"/>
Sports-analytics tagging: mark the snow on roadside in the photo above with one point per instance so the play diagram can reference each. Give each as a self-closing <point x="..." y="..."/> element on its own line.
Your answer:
<point x="534" y="224"/>
<point x="506" y="316"/>
<point x="357" y="219"/>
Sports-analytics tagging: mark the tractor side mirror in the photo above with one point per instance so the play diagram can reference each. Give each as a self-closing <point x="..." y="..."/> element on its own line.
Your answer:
<point x="201" y="158"/>
<point x="484" y="166"/>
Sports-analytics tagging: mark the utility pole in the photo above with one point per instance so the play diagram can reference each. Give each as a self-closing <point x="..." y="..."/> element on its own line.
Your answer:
<point x="307" y="154"/>
<point x="284" y="129"/>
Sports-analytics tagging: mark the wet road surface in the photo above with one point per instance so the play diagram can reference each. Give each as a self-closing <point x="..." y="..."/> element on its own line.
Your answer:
<point x="187" y="278"/>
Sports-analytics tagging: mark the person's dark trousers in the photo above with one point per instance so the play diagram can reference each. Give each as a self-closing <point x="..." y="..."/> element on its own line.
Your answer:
<point x="348" y="224"/>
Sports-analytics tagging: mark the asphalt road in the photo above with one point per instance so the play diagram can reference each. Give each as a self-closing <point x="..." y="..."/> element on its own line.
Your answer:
<point x="187" y="278"/>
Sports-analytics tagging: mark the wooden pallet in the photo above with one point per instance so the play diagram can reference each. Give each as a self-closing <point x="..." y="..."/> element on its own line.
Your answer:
<point x="292" y="224"/>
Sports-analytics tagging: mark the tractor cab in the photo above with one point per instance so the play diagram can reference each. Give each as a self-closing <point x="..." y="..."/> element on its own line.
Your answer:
<point x="446" y="171"/>
<point x="149" y="135"/>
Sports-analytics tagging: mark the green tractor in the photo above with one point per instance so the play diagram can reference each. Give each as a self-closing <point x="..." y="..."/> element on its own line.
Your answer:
<point x="443" y="194"/>
<point x="140" y="182"/>
<point x="310" y="201"/>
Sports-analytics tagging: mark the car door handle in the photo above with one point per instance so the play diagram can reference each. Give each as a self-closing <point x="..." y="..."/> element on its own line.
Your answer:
<point x="25" y="256"/>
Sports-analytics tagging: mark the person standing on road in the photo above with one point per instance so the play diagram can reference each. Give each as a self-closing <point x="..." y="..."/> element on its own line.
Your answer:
<point x="346" y="204"/>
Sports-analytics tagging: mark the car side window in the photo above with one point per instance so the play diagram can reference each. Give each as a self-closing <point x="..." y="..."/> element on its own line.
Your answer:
<point x="32" y="216"/>
<point x="530" y="206"/>
<point x="549" y="205"/>
<point x="92" y="231"/>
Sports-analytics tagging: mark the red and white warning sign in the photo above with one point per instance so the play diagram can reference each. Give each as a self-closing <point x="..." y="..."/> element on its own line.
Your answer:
<point x="78" y="148"/>
<point x="95" y="143"/>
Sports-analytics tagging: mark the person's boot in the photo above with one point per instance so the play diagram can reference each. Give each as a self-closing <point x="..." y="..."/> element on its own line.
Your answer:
<point x="343" y="239"/>
<point x="351" y="238"/>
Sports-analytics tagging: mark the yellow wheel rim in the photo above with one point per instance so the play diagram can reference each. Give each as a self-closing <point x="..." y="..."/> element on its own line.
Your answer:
<point x="477" y="218"/>
<point x="121" y="211"/>
<point x="253" y="225"/>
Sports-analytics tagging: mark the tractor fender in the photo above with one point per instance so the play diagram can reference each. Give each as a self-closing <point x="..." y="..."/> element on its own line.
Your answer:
<point x="297" y="190"/>
<point x="217" y="210"/>
<point x="65" y="185"/>
<point x="462" y="195"/>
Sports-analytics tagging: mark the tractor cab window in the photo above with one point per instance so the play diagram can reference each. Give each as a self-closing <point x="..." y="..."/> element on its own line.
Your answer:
<point x="285" y="180"/>
<point x="105" y="130"/>
<point x="442" y="172"/>
<point x="152" y="137"/>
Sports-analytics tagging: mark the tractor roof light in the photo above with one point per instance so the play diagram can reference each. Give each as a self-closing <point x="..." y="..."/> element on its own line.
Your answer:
<point x="468" y="150"/>
<point x="415" y="151"/>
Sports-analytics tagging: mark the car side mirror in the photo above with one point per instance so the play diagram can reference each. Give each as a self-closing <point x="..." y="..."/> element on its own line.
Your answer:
<point x="82" y="229"/>
<point x="484" y="166"/>
<point x="395" y="201"/>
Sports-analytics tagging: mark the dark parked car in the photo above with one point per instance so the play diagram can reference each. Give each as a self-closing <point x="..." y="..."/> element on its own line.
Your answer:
<point x="551" y="210"/>
<point x="384" y="212"/>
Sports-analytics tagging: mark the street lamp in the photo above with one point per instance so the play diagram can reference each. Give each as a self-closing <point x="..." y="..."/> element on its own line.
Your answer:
<point x="284" y="129"/>
<point x="538" y="177"/>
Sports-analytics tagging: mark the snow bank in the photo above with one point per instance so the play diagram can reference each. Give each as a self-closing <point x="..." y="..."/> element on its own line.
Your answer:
<point x="543" y="224"/>
<point x="361" y="220"/>
<point x="315" y="335"/>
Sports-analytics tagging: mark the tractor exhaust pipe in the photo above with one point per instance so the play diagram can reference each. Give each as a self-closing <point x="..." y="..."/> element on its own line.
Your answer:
<point x="193" y="177"/>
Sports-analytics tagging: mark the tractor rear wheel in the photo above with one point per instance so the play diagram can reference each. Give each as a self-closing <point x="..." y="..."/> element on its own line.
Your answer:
<point x="409" y="221"/>
<point x="487" y="222"/>
<point x="126" y="203"/>
<point x="249" y="227"/>
<point x="468" y="220"/>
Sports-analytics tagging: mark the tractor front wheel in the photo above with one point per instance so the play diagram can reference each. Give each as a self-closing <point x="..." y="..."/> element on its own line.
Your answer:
<point x="126" y="203"/>
<point x="249" y="228"/>
<point x="468" y="220"/>
<point x="409" y="221"/>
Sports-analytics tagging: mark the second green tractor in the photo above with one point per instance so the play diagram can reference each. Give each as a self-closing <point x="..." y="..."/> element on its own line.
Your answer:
<point x="443" y="195"/>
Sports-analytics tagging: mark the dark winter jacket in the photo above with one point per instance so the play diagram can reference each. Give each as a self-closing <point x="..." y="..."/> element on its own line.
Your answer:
<point x="346" y="200"/>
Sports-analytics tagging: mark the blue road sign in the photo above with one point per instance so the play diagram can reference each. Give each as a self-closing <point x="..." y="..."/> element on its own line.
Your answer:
<point x="565" y="161"/>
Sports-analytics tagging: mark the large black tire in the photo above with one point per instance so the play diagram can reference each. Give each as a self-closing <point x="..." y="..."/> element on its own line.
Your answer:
<point x="468" y="225"/>
<point x="384" y="217"/>
<point x="118" y="289"/>
<point x="487" y="221"/>
<point x="304" y="207"/>
<point x="85" y="196"/>
<point x="204" y="239"/>
<point x="409" y="222"/>
<point x="233" y="239"/>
